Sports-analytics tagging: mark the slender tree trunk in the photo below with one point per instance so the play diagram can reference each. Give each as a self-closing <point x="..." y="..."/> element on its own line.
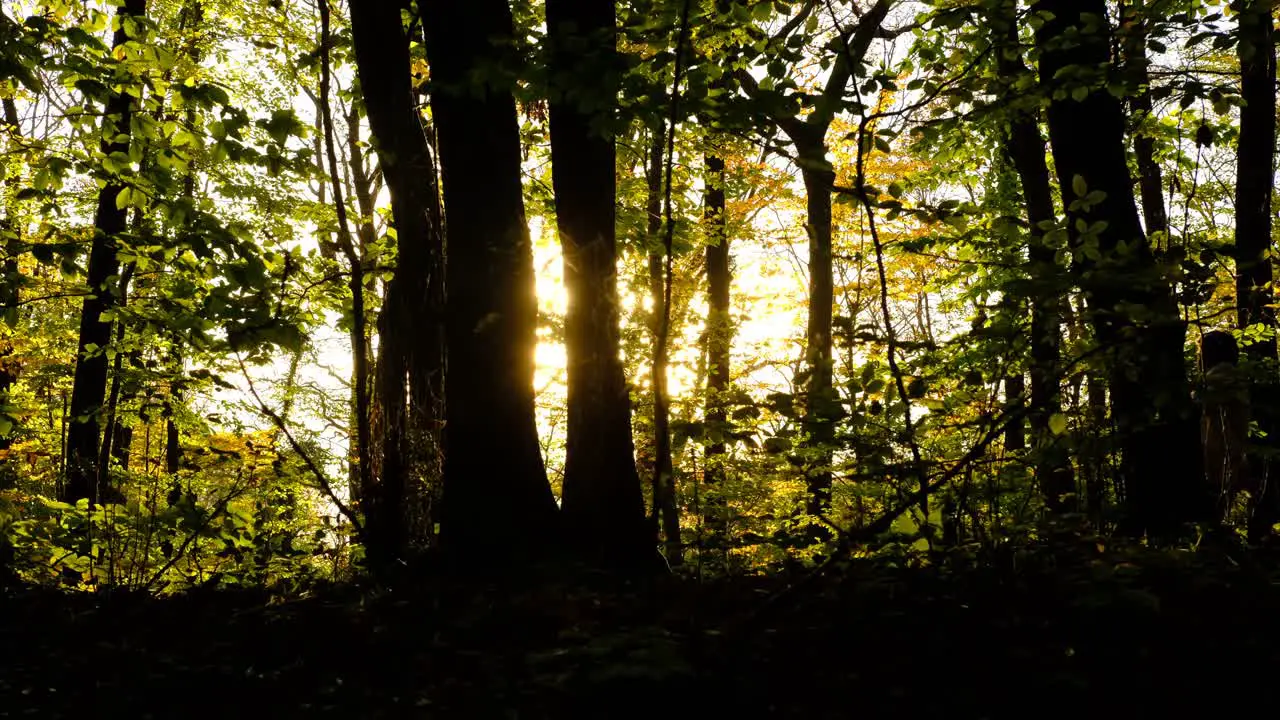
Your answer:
<point x="496" y="498"/>
<point x="719" y="341"/>
<point x="665" y="512"/>
<point x="821" y="402"/>
<point x="410" y="331"/>
<point x="1253" y="246"/>
<point x="1159" y="442"/>
<point x="1094" y="455"/>
<point x="9" y="287"/>
<point x="603" y="506"/>
<point x="366" y="236"/>
<point x="1150" y="178"/>
<point x="89" y="385"/>
<point x="808" y="135"/>
<point x="1026" y="148"/>
<point x="122" y="444"/>
<point x="111" y="423"/>
<point x="347" y="242"/>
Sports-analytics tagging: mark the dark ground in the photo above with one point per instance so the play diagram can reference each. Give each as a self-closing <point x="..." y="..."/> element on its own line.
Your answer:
<point x="1072" y="631"/>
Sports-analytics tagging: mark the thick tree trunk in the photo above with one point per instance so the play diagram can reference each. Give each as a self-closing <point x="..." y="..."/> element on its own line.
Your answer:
<point x="666" y="514"/>
<point x="1026" y="148"/>
<point x="89" y="385"/>
<point x="1253" y="247"/>
<point x="719" y="341"/>
<point x="496" y="498"/>
<point x="603" y="506"/>
<point x="1153" y="415"/>
<point x="410" y="331"/>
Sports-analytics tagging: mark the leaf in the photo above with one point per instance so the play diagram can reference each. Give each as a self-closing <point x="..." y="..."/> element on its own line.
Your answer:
<point x="1079" y="186"/>
<point x="1057" y="423"/>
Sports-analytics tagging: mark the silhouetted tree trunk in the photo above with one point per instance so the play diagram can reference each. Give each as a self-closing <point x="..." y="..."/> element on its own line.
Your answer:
<point x="410" y="331"/>
<point x="348" y="242"/>
<point x="603" y="506"/>
<point x="9" y="297"/>
<point x="9" y="286"/>
<point x="122" y="444"/>
<point x="496" y="497"/>
<point x="1156" y="429"/>
<point x="1253" y="246"/>
<point x="808" y="136"/>
<point x="1026" y="148"/>
<point x="665" y="513"/>
<point x="1136" y="65"/>
<point x="719" y="341"/>
<point x="89" y="385"/>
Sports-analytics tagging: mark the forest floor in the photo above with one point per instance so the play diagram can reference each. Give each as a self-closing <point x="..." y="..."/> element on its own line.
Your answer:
<point x="1073" y="630"/>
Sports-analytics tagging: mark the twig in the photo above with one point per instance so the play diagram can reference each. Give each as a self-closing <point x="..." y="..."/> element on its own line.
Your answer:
<point x="321" y="480"/>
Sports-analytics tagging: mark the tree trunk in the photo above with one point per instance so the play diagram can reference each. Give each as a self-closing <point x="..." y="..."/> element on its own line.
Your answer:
<point x="808" y="135"/>
<point x="356" y="282"/>
<point x="410" y="331"/>
<point x="821" y="402"/>
<point x="1025" y="147"/>
<point x="1157" y="434"/>
<point x="603" y="506"/>
<point x="496" y="498"/>
<point x="719" y="341"/>
<point x="89" y="385"/>
<point x="9" y="274"/>
<point x="665" y="512"/>
<point x="1150" y="180"/>
<point x="1254" y="295"/>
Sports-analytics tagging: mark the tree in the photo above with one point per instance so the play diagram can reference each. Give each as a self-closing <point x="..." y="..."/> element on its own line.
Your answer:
<point x="496" y="498"/>
<point x="1255" y="303"/>
<point x="9" y="282"/>
<point x="90" y="383"/>
<point x="408" y="355"/>
<point x="355" y="257"/>
<point x="1025" y="146"/>
<point x="666" y="514"/>
<point x="602" y="503"/>
<point x="808" y="135"/>
<point x="719" y="339"/>
<point x="1125" y="284"/>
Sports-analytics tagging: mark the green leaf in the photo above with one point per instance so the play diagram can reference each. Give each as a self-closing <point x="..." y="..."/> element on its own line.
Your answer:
<point x="1079" y="186"/>
<point x="1057" y="423"/>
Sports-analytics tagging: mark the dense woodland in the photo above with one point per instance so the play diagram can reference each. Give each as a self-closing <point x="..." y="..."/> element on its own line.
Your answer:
<point x="896" y="299"/>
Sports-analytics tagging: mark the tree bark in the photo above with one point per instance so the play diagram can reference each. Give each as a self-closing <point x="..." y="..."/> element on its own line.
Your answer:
<point x="347" y="241"/>
<point x="808" y="135"/>
<point x="1254" y="275"/>
<point x="10" y="294"/>
<point x="603" y="506"/>
<point x="1026" y="148"/>
<point x="496" y="498"/>
<point x="410" y="331"/>
<point x="1157" y="433"/>
<point x="719" y="341"/>
<point x="89" y="385"/>
<point x="665" y="512"/>
<point x="1150" y="178"/>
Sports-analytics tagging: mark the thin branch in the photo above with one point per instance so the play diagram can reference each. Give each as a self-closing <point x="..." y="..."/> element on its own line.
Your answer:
<point x="311" y="464"/>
